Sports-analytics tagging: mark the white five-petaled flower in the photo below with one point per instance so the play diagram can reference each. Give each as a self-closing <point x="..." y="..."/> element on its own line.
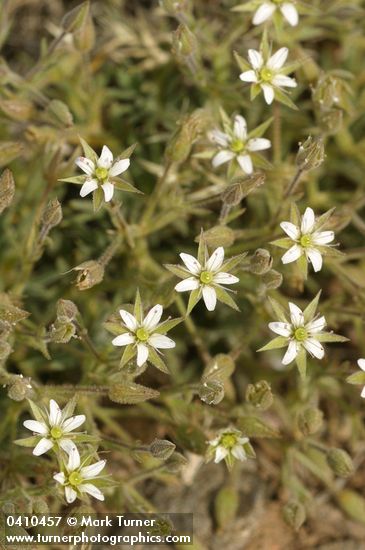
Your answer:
<point x="308" y="240"/>
<point x="361" y="363"/>
<point x="143" y="333"/>
<point x="237" y="145"/>
<point x="268" y="8"/>
<point x="300" y="334"/>
<point x="230" y="444"/>
<point x="268" y="74"/>
<point x="99" y="172"/>
<point x="206" y="277"/>
<point x="55" y="429"/>
<point x="77" y="478"/>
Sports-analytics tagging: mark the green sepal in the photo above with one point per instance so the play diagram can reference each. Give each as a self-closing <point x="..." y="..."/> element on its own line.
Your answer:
<point x="241" y="62"/>
<point x="286" y="242"/>
<point x="138" y="308"/>
<point x="194" y="298"/>
<point x="79" y="180"/>
<point x="98" y="198"/>
<point x="260" y="130"/>
<point x="311" y="308"/>
<point x="167" y="325"/>
<point x="330" y="337"/>
<point x="128" y="354"/>
<point x="356" y="378"/>
<point x="233" y="262"/>
<point x="301" y="361"/>
<point x="115" y="328"/>
<point x="88" y="151"/>
<point x="224" y="297"/>
<point x="156" y="360"/>
<point x="28" y="441"/>
<point x="178" y="271"/>
<point x="124" y="185"/>
<point x="276" y="343"/>
<point x="278" y="310"/>
<point x="283" y="98"/>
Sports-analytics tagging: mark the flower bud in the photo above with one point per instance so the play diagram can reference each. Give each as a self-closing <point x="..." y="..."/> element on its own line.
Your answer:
<point x="91" y="274"/>
<point x="272" y="279"/>
<point x="180" y="145"/>
<point x="261" y="262"/>
<point x="7" y="189"/>
<point x="59" y="113"/>
<point x="259" y="395"/>
<point x="294" y="514"/>
<point x="220" y="235"/>
<point x="175" y="463"/>
<point x="310" y="154"/>
<point x="340" y="462"/>
<point x="327" y="92"/>
<point x="17" y="109"/>
<point x="233" y="194"/>
<point x="66" y="310"/>
<point x="184" y="42"/>
<point x="310" y="421"/>
<point x="331" y="121"/>
<point x="162" y="448"/>
<point x="20" y="388"/>
<point x="40" y="506"/>
<point x="61" y="332"/>
<point x="211" y="392"/>
<point x="52" y="214"/>
<point x="8" y="508"/>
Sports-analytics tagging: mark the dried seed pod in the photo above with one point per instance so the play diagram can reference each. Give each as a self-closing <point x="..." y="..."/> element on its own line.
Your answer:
<point x="310" y="421"/>
<point x="91" y="274"/>
<point x="310" y="154"/>
<point x="259" y="395"/>
<point x="261" y="262"/>
<point x="7" y="189"/>
<point x="340" y="462"/>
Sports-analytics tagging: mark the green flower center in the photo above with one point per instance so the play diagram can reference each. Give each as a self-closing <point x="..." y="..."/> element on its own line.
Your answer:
<point x="228" y="441"/>
<point x="56" y="432"/>
<point x="101" y="173"/>
<point x="142" y="334"/>
<point x="300" y="334"/>
<point x="206" y="277"/>
<point x="237" y="145"/>
<point x="75" y="479"/>
<point x="266" y="74"/>
<point x="306" y="240"/>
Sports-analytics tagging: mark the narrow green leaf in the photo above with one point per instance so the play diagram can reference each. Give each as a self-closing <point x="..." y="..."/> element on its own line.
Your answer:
<point x="131" y="393"/>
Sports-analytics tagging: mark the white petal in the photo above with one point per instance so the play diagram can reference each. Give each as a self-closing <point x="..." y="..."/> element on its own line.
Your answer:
<point x="263" y="13"/>
<point x="220" y="454"/>
<point x="315" y="258"/>
<point x="93" y="470"/>
<point x="268" y="93"/>
<point x="219" y="137"/>
<point x="86" y="165"/>
<point x="73" y="460"/>
<point x="290" y="13"/>
<point x="42" y="446"/>
<point x="108" y="189"/>
<point x="225" y="278"/>
<point x="296" y="315"/>
<point x="284" y="81"/>
<point x="153" y="317"/>
<point x="216" y="259"/>
<point x="91" y="490"/>
<point x="291" y="230"/>
<point x="119" y="167"/>
<point x="191" y="283"/>
<point x="248" y="76"/>
<point x="67" y="445"/>
<point x="55" y="414"/>
<point x="239" y="452"/>
<point x="60" y="477"/>
<point x="129" y="320"/>
<point x="314" y="348"/>
<point x="363" y="392"/>
<point x="209" y="297"/>
<point x="317" y="325"/>
<point x="123" y="339"/>
<point x="308" y="221"/>
<point x="73" y="422"/>
<point x="161" y="341"/>
<point x="191" y="263"/>
<point x="243" y="440"/>
<point x="258" y="144"/>
<point x="277" y="60"/>
<point x="35" y="426"/>
<point x="290" y="354"/>
<point x="88" y="187"/>
<point x="70" y="494"/>
<point x="361" y="363"/>
<point x="255" y="58"/>
<point x="292" y="254"/>
<point x="240" y="127"/>
<point x="106" y="158"/>
<point x="222" y="157"/>
<point x="245" y="163"/>
<point x="283" y="329"/>
<point x="323" y="237"/>
<point x="142" y="354"/>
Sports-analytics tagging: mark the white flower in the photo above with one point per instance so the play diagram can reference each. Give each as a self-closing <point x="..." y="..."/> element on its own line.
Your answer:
<point x="307" y="240"/>
<point x="267" y="9"/>
<point x="76" y="478"/>
<point x="361" y="363"/>
<point x="229" y="445"/>
<point x="143" y="334"/>
<point x="206" y="277"/>
<point x="99" y="172"/>
<point x="267" y="73"/>
<point x="237" y="145"/>
<point x="300" y="334"/>
<point x="55" y="429"/>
